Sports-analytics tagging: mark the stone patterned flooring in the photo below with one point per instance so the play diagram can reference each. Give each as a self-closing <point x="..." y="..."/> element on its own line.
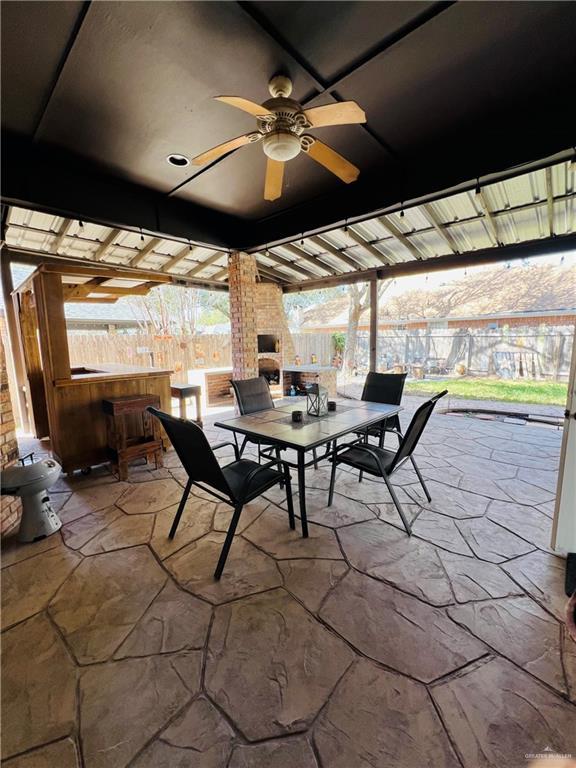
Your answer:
<point x="356" y="648"/>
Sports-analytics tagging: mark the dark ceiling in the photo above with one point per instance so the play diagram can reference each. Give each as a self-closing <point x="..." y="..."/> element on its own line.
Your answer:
<point x="96" y="95"/>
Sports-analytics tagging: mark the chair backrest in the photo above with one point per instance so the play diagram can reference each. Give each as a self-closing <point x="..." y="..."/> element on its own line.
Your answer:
<point x="384" y="388"/>
<point x="252" y="395"/>
<point x="415" y="429"/>
<point x="193" y="449"/>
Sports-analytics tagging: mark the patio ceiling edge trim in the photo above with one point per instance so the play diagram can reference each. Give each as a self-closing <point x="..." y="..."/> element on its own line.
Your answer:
<point x="525" y="250"/>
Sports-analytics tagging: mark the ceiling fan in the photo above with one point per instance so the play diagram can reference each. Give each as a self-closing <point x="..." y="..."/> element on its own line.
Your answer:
<point x="282" y="123"/>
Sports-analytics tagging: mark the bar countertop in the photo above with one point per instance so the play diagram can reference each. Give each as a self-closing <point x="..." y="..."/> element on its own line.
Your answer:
<point x="109" y="372"/>
<point x="308" y="368"/>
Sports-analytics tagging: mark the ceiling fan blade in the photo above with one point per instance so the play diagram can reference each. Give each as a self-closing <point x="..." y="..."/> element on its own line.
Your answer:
<point x="245" y="105"/>
<point x="334" y="162"/>
<point x="274" y="178"/>
<point x="228" y="146"/>
<point x="344" y="113"/>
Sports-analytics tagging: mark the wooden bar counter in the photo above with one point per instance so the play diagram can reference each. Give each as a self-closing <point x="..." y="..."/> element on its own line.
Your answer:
<point x="65" y="403"/>
<point x="78" y="428"/>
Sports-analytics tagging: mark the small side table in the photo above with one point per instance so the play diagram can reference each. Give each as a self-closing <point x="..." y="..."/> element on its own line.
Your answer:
<point x="147" y="440"/>
<point x="182" y="392"/>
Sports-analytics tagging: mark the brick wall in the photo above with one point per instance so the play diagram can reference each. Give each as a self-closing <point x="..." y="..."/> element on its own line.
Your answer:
<point x="218" y="387"/>
<point x="301" y="378"/>
<point x="10" y="510"/>
<point x="242" y="282"/>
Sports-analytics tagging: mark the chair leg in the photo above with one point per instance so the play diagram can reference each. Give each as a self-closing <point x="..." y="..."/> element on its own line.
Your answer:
<point x="407" y="525"/>
<point x="289" y="502"/>
<point x="332" y="481"/>
<point x="180" y="509"/>
<point x="228" y="541"/>
<point x="422" y="483"/>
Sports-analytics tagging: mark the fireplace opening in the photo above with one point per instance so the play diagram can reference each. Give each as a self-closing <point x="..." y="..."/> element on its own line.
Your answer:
<point x="269" y="369"/>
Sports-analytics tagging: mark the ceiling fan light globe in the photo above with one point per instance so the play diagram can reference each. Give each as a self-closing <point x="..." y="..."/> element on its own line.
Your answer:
<point x="281" y="146"/>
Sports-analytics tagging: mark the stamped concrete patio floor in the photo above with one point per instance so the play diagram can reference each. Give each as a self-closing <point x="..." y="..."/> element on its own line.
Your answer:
<point x="358" y="647"/>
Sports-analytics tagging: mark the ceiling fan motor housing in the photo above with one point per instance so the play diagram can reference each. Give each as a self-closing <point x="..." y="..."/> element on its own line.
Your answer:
<point x="283" y="129"/>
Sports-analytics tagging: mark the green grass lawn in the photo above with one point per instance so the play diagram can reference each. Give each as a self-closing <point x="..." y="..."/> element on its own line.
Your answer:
<point x="508" y="391"/>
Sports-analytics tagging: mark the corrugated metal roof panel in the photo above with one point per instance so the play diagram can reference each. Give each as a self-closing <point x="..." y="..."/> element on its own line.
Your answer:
<point x="506" y="212"/>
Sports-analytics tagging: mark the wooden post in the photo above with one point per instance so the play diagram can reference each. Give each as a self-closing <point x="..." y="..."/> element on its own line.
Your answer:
<point x="16" y="352"/>
<point x="49" y="295"/>
<point x="373" y="323"/>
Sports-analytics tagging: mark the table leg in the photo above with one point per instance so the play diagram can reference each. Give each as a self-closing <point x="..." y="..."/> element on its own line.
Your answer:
<point x="199" y="409"/>
<point x="182" y="407"/>
<point x="302" y="492"/>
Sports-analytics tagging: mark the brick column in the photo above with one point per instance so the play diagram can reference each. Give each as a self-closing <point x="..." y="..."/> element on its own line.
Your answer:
<point x="271" y="318"/>
<point x="11" y="507"/>
<point x="242" y="282"/>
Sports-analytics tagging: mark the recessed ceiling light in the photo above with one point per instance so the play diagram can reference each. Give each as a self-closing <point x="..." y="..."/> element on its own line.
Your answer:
<point x="178" y="160"/>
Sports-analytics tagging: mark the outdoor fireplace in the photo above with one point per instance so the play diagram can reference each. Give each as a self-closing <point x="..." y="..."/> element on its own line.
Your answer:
<point x="270" y="369"/>
<point x="268" y="342"/>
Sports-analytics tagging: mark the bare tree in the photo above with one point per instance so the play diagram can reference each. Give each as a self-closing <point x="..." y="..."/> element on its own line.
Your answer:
<point x="359" y="294"/>
<point x="169" y="310"/>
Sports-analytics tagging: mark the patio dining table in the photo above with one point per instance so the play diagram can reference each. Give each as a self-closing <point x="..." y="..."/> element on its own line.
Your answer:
<point x="275" y="425"/>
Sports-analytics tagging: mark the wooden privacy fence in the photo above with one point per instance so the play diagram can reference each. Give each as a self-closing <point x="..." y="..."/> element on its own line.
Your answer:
<point x="180" y="353"/>
<point x="517" y="353"/>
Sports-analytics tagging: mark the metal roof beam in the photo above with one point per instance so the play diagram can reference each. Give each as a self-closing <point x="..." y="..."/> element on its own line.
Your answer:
<point x="303" y="271"/>
<point x="273" y="274"/>
<point x="488" y="216"/>
<point x="177" y="258"/>
<point x="400" y="236"/>
<point x="62" y="234"/>
<point x="439" y="227"/>
<point x="148" y="248"/>
<point x="525" y="250"/>
<point x="305" y="256"/>
<point x="100" y="252"/>
<point x="62" y="264"/>
<point x="359" y="240"/>
<point x="206" y="263"/>
<point x="550" y="202"/>
<point x="331" y="249"/>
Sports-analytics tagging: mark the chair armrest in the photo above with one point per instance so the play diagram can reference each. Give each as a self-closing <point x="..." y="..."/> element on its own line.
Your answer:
<point x="223" y="445"/>
<point x="366" y="449"/>
<point x="251" y="475"/>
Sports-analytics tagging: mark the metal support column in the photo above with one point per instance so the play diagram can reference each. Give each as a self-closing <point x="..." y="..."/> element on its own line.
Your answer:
<point x="373" y="323"/>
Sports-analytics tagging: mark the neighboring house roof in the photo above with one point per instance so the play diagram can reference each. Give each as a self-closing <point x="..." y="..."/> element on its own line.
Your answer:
<point x="518" y="291"/>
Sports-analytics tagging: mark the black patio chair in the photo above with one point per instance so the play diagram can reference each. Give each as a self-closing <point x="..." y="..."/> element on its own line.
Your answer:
<point x="380" y="462"/>
<point x="384" y="388"/>
<point x="253" y="395"/>
<point x="236" y="484"/>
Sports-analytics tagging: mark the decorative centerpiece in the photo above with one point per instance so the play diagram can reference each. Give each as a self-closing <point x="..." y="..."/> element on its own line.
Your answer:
<point x="317" y="400"/>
